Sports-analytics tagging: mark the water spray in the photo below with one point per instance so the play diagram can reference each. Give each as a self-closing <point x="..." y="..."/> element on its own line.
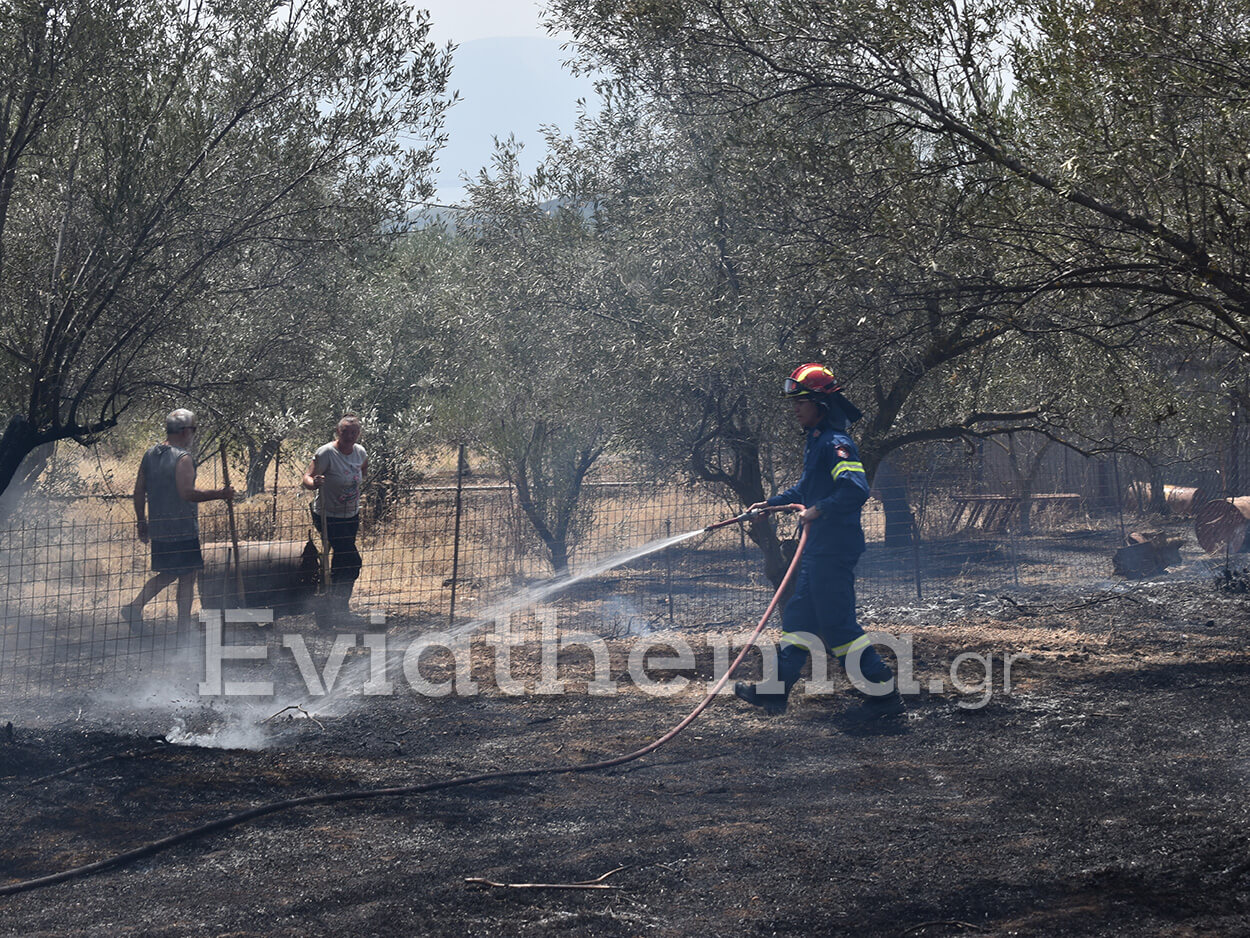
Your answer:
<point x="326" y="704"/>
<point x="264" y="810"/>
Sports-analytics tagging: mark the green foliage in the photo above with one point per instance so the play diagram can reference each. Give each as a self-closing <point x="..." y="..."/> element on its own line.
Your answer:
<point x="904" y="200"/>
<point x="985" y="235"/>
<point x="171" y="170"/>
<point x="533" y="372"/>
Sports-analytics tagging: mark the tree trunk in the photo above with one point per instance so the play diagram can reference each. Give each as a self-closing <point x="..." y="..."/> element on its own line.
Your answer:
<point x="557" y="547"/>
<point x="745" y="478"/>
<point x="890" y="486"/>
<point x="21" y="438"/>
<point x="549" y="496"/>
<point x="258" y="461"/>
<point x="559" y="551"/>
<point x="764" y="536"/>
<point x="1158" y="495"/>
<point x="1105" y="497"/>
<point x="18" y="441"/>
<point x="1024" y="512"/>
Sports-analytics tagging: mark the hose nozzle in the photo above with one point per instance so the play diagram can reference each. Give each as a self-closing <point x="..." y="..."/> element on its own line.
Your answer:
<point x="753" y="515"/>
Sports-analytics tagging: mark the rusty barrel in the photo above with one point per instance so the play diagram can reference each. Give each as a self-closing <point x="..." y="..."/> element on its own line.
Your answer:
<point x="278" y="575"/>
<point x="1180" y="499"/>
<point x="1183" y="499"/>
<point x="1221" y="524"/>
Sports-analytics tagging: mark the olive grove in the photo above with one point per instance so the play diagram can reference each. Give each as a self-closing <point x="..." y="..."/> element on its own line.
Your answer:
<point x="175" y="178"/>
<point x="999" y="222"/>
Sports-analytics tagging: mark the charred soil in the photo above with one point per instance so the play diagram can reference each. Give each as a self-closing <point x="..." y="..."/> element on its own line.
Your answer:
<point x="1106" y="794"/>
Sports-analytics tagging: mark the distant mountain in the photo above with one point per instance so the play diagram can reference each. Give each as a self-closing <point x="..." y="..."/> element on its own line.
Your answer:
<point x="508" y="86"/>
<point x="454" y="217"/>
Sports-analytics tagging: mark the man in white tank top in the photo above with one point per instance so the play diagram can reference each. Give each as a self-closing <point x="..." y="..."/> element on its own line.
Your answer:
<point x="336" y="473"/>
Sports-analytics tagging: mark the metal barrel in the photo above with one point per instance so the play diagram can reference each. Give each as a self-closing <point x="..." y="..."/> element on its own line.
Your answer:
<point x="1221" y="524"/>
<point x="1180" y="499"/>
<point x="277" y="575"/>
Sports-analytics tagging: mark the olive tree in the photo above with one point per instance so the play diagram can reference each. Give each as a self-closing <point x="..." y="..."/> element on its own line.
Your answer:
<point x="169" y="168"/>
<point x="751" y="240"/>
<point x="1122" y="127"/>
<point x="532" y="369"/>
<point x="864" y="228"/>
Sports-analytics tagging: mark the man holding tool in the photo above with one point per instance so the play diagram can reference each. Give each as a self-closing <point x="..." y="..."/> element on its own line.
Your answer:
<point x="167" y="516"/>
<point x="833" y="489"/>
<point x="337" y="471"/>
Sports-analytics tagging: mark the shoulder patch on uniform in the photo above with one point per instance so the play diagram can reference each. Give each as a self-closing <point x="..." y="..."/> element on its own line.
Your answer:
<point x="844" y="452"/>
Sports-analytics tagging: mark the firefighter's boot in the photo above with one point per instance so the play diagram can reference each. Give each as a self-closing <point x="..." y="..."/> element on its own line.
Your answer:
<point x="877" y="707"/>
<point x="772" y="704"/>
<point x="341" y="615"/>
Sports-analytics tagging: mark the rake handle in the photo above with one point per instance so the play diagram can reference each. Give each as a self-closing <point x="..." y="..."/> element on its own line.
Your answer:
<point x="234" y="533"/>
<point x="325" y="551"/>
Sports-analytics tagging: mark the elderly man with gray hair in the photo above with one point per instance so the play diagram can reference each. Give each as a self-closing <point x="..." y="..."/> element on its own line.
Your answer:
<point x="166" y="516"/>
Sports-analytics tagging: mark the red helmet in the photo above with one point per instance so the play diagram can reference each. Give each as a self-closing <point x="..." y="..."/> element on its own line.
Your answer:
<point x="811" y="380"/>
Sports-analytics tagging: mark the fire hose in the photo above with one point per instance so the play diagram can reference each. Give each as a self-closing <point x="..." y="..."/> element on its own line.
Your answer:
<point x="274" y="807"/>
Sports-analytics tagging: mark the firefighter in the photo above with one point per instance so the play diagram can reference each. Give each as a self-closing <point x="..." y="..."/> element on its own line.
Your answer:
<point x="833" y="489"/>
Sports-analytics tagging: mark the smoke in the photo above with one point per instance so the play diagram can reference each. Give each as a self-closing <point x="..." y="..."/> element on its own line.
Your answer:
<point x="233" y="732"/>
<point x="165" y="699"/>
<point x="166" y="702"/>
<point x="622" y="618"/>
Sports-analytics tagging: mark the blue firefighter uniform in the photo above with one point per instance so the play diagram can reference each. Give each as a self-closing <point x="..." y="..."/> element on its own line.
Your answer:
<point x="823" y="602"/>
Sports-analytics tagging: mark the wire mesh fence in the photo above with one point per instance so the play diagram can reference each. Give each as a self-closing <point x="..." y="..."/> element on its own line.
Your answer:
<point x="444" y="555"/>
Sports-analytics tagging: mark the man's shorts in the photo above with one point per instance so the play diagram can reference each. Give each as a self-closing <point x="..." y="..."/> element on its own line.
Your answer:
<point x="177" y="556"/>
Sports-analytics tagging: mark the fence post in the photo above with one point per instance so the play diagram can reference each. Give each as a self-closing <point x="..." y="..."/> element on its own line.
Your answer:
<point x="1232" y="484"/>
<point x="668" y="570"/>
<point x="915" y="559"/>
<point x="1015" y="555"/>
<point x="455" y="540"/>
<point x="1119" y="496"/>
<point x="277" y="464"/>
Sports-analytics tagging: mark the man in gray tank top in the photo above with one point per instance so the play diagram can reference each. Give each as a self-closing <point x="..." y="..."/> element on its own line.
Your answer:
<point x="166" y="516"/>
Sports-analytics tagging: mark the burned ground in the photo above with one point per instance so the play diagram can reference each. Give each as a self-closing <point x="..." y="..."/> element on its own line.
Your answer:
<point x="1105" y="795"/>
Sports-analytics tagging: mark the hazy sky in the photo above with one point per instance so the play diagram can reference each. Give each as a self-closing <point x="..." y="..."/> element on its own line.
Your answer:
<point x="508" y="72"/>
<point x="462" y="20"/>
